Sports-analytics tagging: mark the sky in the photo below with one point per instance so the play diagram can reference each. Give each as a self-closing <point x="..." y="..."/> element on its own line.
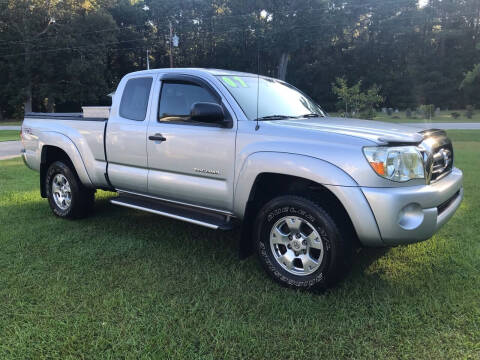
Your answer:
<point x="422" y="3"/>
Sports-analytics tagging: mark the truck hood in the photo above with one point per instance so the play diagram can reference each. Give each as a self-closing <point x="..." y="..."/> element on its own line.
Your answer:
<point x="376" y="131"/>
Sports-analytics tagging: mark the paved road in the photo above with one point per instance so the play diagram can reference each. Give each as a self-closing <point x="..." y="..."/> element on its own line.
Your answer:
<point x="10" y="127"/>
<point x="447" y="126"/>
<point x="10" y="149"/>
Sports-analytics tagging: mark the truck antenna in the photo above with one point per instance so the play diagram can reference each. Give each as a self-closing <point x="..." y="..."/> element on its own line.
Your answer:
<point x="257" y="126"/>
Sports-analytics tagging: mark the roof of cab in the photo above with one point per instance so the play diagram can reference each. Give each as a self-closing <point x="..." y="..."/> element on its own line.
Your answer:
<point x="214" y="72"/>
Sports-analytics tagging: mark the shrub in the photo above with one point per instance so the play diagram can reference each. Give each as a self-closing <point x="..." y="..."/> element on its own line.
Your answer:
<point x="428" y="111"/>
<point x="368" y="113"/>
<point x="455" y="115"/>
<point x="389" y="111"/>
<point x="408" y="113"/>
<point x="469" y="112"/>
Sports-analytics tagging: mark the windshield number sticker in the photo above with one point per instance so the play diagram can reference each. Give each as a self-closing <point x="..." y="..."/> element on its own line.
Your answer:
<point x="227" y="80"/>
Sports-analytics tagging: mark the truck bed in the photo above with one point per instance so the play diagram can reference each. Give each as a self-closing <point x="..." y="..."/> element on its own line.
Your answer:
<point x="82" y="138"/>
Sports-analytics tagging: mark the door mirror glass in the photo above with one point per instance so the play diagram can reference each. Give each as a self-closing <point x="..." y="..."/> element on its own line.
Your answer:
<point x="207" y="112"/>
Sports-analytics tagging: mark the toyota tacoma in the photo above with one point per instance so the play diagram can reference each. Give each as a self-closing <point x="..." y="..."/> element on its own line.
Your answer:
<point x="222" y="149"/>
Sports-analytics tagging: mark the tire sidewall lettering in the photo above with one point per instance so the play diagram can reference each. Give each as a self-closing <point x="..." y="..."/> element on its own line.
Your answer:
<point x="319" y="277"/>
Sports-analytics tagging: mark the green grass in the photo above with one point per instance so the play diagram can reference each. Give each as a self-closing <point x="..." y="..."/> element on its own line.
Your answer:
<point x="9" y="135"/>
<point x="11" y="123"/>
<point x="444" y="116"/>
<point x="126" y="284"/>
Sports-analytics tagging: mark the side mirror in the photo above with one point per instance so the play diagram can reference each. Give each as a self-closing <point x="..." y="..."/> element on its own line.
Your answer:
<point x="208" y="113"/>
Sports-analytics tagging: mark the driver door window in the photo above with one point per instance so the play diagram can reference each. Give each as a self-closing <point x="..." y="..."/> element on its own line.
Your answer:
<point x="177" y="98"/>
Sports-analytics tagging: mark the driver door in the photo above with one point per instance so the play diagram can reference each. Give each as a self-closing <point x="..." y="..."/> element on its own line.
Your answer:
<point x="189" y="161"/>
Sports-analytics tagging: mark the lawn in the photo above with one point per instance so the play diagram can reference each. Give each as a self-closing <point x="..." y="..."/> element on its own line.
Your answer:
<point x="9" y="135"/>
<point x="444" y="116"/>
<point x="11" y="123"/>
<point x="126" y="284"/>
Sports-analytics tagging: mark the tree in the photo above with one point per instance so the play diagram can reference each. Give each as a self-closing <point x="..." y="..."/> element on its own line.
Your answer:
<point x="60" y="54"/>
<point x="471" y="85"/>
<point x="354" y="101"/>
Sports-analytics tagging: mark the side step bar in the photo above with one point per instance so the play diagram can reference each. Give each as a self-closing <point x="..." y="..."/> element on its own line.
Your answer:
<point x="178" y="212"/>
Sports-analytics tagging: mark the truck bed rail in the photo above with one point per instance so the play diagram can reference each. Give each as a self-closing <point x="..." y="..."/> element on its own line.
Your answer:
<point x="62" y="116"/>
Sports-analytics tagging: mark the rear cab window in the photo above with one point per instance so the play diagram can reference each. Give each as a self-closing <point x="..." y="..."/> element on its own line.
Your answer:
<point x="134" y="102"/>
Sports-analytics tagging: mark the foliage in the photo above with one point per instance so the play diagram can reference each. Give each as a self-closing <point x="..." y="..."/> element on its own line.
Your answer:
<point x="408" y="113"/>
<point x="428" y="111"/>
<point x="354" y="101"/>
<point x="469" y="111"/>
<point x="471" y="77"/>
<point x="470" y="84"/>
<point x="59" y="55"/>
<point x="367" y="113"/>
<point x="455" y="115"/>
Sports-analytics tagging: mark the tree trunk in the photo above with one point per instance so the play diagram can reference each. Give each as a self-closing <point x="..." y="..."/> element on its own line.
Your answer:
<point x="282" y="66"/>
<point x="51" y="103"/>
<point x="28" y="97"/>
<point x="28" y="76"/>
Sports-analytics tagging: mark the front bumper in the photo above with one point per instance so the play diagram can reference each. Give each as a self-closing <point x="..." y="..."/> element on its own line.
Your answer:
<point x="411" y="214"/>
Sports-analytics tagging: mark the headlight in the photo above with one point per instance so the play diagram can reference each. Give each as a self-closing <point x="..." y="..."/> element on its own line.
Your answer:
<point x="400" y="163"/>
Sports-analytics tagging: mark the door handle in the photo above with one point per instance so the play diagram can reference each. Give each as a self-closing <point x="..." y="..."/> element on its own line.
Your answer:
<point x="157" y="137"/>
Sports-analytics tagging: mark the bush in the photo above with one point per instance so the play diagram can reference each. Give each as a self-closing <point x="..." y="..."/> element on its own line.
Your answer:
<point x="455" y="115"/>
<point x="368" y="114"/>
<point x="469" y="112"/>
<point x="408" y="113"/>
<point x="389" y="111"/>
<point x="428" y="111"/>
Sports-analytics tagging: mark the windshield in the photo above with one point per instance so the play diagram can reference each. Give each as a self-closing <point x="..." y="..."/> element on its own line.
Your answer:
<point x="276" y="99"/>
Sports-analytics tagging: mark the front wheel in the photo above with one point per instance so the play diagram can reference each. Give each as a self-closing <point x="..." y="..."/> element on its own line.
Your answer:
<point x="67" y="196"/>
<point x="299" y="244"/>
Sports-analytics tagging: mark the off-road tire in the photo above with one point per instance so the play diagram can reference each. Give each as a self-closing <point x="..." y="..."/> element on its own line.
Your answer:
<point x="338" y="248"/>
<point x="82" y="198"/>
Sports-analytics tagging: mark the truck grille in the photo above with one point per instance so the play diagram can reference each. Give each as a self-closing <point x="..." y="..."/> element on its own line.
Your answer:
<point x="442" y="161"/>
<point x="438" y="152"/>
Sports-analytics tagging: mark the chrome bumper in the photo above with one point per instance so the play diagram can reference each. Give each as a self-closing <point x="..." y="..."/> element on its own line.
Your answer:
<point x="411" y="214"/>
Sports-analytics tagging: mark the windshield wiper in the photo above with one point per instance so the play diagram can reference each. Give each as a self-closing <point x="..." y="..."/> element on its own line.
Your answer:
<point x="311" y="115"/>
<point x="274" y="117"/>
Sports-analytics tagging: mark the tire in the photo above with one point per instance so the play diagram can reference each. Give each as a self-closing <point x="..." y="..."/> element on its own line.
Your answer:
<point x="67" y="196"/>
<point x="282" y="232"/>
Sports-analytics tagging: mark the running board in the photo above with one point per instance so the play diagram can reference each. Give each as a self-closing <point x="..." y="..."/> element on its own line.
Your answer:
<point x="178" y="212"/>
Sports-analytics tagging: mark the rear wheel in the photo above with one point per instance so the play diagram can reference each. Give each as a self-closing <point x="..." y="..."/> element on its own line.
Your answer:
<point x="67" y="196"/>
<point x="299" y="244"/>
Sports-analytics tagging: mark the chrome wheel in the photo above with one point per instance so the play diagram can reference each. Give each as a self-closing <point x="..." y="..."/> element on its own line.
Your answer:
<point x="61" y="192"/>
<point x="296" y="245"/>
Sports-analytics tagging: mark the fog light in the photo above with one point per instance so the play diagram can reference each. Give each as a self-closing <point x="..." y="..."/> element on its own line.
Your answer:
<point x="410" y="217"/>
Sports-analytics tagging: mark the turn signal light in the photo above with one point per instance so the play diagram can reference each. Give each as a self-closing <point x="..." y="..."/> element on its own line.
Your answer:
<point x="379" y="167"/>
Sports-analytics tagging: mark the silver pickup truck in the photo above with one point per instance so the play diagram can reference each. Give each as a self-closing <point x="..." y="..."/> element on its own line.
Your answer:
<point x="219" y="148"/>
